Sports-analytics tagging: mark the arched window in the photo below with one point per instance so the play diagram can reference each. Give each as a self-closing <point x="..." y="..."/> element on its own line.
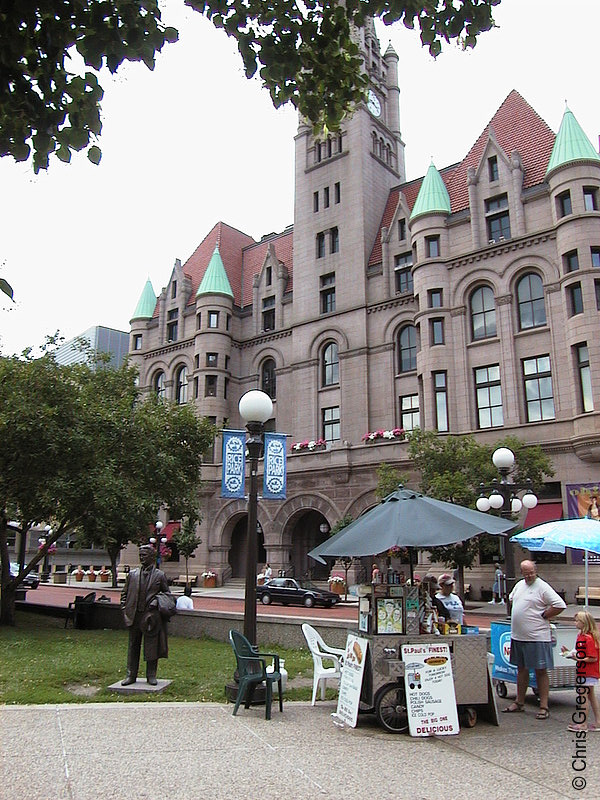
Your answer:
<point x="268" y="381"/>
<point x="483" y="313"/>
<point x="330" y="365"/>
<point x="181" y="386"/>
<point x="159" y="386"/>
<point x="407" y="349"/>
<point x="530" y="299"/>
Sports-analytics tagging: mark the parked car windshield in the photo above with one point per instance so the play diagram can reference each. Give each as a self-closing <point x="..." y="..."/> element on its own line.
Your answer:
<point x="308" y="585"/>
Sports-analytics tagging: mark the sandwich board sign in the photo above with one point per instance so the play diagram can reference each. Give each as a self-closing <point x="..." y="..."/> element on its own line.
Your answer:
<point x="429" y="685"/>
<point x="351" y="680"/>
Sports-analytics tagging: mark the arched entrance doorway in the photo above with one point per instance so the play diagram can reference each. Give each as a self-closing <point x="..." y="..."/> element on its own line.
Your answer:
<point x="237" y="550"/>
<point x="306" y="534"/>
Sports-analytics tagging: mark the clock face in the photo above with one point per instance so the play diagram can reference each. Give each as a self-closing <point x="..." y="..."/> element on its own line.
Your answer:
<point x="373" y="103"/>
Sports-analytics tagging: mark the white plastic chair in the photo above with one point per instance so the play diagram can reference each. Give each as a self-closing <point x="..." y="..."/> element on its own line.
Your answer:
<point x="320" y="652"/>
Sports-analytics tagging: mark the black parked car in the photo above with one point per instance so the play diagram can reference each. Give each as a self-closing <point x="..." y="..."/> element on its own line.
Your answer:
<point x="290" y="590"/>
<point x="31" y="581"/>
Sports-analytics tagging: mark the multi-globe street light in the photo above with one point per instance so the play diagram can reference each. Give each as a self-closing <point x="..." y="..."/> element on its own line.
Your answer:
<point x="503" y="497"/>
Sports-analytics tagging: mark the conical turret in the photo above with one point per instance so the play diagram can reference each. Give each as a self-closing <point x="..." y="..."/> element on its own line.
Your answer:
<point x="146" y="303"/>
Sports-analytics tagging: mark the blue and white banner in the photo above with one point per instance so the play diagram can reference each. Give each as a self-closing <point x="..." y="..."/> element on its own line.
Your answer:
<point x="234" y="464"/>
<point x="274" y="483"/>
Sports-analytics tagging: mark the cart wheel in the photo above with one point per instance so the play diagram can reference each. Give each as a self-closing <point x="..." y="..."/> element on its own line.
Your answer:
<point x="501" y="689"/>
<point x="468" y="716"/>
<point x="390" y="708"/>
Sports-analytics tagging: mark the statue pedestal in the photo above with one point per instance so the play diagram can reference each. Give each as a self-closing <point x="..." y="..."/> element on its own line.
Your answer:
<point x="141" y="686"/>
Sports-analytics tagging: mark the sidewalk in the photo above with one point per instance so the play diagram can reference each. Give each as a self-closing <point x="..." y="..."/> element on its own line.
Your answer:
<point x="182" y="751"/>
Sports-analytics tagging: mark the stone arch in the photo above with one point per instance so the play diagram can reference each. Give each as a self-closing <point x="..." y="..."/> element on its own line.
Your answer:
<point x="330" y="334"/>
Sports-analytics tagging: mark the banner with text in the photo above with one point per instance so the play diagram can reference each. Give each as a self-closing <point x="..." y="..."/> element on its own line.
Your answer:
<point x="274" y="481"/>
<point x="234" y="464"/>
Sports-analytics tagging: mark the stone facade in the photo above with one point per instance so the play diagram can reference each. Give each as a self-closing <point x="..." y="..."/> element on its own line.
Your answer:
<point x="359" y="317"/>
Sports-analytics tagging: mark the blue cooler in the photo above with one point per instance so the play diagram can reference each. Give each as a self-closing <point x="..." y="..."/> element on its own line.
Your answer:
<point x="503" y="670"/>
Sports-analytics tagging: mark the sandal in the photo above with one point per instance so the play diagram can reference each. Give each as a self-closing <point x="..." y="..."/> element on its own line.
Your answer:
<point x="543" y="713"/>
<point x="577" y="728"/>
<point x="513" y="708"/>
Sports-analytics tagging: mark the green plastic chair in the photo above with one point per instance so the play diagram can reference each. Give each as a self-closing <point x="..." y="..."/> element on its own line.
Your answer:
<point x="252" y="671"/>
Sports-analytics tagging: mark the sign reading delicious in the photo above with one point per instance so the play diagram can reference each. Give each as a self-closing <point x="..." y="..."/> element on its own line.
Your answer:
<point x="351" y="681"/>
<point x="430" y="698"/>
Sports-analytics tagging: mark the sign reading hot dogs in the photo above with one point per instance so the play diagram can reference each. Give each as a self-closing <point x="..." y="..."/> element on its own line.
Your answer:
<point x="430" y="698"/>
<point x="351" y="680"/>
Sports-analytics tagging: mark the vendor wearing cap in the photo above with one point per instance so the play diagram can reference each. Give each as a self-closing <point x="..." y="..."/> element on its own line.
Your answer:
<point x="451" y="601"/>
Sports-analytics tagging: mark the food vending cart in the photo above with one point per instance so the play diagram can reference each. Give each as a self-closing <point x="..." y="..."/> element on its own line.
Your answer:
<point x="389" y="617"/>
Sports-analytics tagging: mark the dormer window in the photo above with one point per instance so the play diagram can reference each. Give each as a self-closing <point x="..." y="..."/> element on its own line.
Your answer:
<point x="172" y="319"/>
<point x="268" y="314"/>
<point x="497" y="218"/>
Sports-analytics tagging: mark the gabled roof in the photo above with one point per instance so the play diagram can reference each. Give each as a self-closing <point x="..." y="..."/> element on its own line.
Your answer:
<point x="433" y="196"/>
<point x="146" y="303"/>
<point x="231" y="243"/>
<point x="254" y="258"/>
<point x="515" y="126"/>
<point x="571" y="144"/>
<point x="215" y="280"/>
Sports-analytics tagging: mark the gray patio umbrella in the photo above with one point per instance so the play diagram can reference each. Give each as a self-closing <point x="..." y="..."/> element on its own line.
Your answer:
<point x="407" y="518"/>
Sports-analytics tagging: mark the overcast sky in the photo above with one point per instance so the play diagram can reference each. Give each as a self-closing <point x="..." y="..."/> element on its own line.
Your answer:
<point x="194" y="142"/>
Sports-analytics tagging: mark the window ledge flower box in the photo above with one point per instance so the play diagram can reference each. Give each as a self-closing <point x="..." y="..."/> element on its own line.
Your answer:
<point x="309" y="446"/>
<point x="380" y="436"/>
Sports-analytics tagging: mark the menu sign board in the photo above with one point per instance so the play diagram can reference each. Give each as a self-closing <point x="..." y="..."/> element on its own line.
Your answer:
<point x="430" y="698"/>
<point x="351" y="681"/>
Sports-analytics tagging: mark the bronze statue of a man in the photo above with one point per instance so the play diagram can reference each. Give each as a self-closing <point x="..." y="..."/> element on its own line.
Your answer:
<point x="147" y="605"/>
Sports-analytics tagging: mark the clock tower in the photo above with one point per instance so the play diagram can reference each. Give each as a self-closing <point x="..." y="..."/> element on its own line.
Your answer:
<point x="342" y="182"/>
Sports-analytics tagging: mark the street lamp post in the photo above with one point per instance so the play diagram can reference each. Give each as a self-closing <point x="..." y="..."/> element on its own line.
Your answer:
<point x="504" y="498"/>
<point x="255" y="409"/>
<point x="157" y="541"/>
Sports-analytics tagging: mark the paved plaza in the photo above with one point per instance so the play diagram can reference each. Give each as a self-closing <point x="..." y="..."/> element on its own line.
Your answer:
<point x="182" y="751"/>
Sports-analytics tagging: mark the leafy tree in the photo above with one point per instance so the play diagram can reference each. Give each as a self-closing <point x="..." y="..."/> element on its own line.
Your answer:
<point x="388" y="480"/>
<point x="305" y="52"/>
<point x="82" y="452"/>
<point x="49" y="105"/>
<point x="187" y="541"/>
<point x="452" y="469"/>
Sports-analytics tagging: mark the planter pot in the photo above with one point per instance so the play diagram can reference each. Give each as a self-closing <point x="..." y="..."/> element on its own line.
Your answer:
<point x="338" y="588"/>
<point x="104" y="578"/>
<point x="209" y="583"/>
<point x="92" y="577"/>
<point x="78" y="577"/>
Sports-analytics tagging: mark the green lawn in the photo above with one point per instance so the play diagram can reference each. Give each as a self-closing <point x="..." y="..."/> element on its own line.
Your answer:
<point x="41" y="662"/>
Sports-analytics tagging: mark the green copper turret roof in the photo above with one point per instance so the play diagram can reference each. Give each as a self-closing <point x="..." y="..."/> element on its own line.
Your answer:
<point x="215" y="280"/>
<point x="571" y="144"/>
<point x="433" y="196"/>
<point x="146" y="303"/>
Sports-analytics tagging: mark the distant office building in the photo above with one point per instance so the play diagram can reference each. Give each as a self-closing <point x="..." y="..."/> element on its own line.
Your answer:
<point x="100" y="340"/>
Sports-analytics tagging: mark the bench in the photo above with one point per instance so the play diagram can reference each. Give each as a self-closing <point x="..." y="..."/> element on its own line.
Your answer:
<point x="181" y="580"/>
<point x="593" y="594"/>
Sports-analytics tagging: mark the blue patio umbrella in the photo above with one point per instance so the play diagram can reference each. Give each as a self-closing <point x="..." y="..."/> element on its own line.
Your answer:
<point x="582" y="533"/>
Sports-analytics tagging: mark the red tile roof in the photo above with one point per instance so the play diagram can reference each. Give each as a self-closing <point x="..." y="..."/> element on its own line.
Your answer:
<point x="254" y="257"/>
<point x="231" y="244"/>
<point x="516" y="126"/>
<point x="242" y="258"/>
